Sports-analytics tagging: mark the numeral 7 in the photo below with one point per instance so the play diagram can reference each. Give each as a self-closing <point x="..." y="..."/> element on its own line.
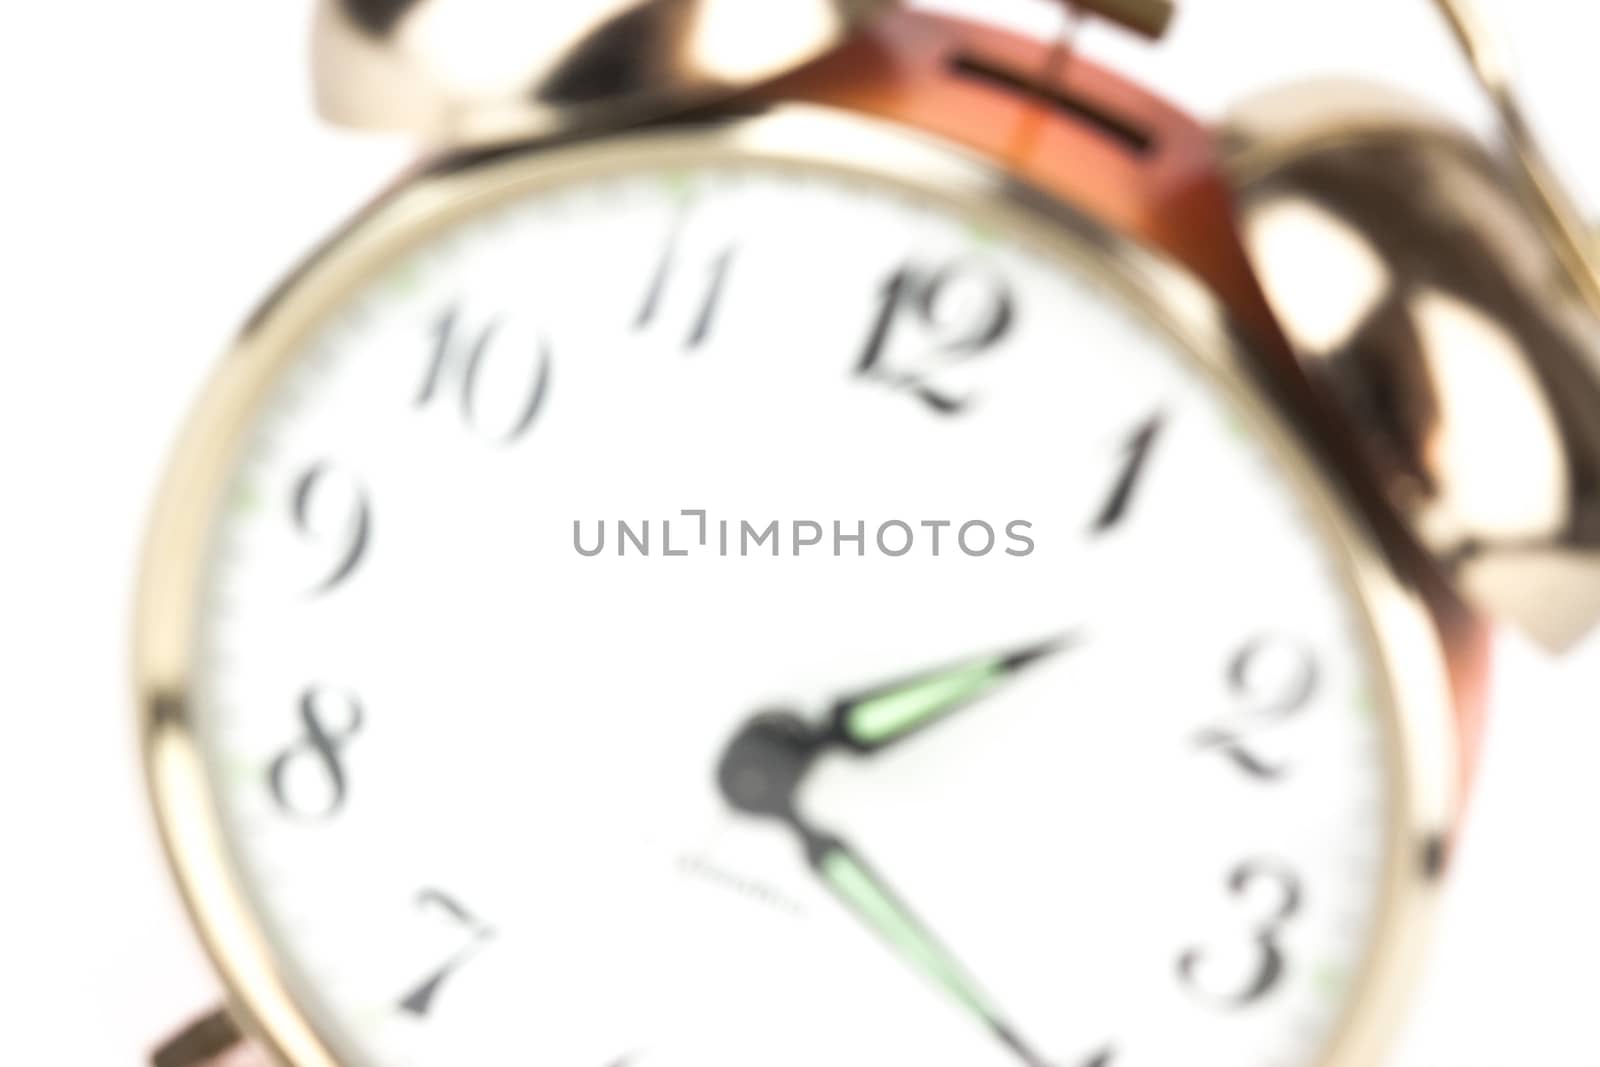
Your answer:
<point x="419" y="1000"/>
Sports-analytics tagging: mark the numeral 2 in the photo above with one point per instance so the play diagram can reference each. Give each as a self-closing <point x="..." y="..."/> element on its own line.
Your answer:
<point x="1282" y="676"/>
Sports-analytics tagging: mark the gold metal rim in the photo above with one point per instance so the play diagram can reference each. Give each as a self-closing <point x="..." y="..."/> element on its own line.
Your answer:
<point x="1547" y="196"/>
<point x="1403" y="645"/>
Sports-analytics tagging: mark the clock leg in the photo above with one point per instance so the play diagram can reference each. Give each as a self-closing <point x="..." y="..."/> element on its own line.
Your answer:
<point x="213" y="1040"/>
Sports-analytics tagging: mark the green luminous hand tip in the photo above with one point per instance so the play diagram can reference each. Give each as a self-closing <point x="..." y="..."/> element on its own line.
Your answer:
<point x="876" y="905"/>
<point x="887" y="713"/>
<point x="872" y="901"/>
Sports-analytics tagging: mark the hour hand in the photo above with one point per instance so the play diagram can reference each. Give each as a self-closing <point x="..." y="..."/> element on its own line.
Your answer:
<point x="880" y="716"/>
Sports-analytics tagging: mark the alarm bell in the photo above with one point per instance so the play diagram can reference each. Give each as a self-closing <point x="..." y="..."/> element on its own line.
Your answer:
<point x="485" y="70"/>
<point x="1446" y="300"/>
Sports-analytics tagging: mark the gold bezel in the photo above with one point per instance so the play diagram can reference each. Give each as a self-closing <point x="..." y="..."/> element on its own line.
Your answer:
<point x="1404" y="647"/>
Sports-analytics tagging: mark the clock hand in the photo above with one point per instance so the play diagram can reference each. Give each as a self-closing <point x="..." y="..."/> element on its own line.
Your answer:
<point x="866" y="894"/>
<point x="884" y="714"/>
<point x="759" y="774"/>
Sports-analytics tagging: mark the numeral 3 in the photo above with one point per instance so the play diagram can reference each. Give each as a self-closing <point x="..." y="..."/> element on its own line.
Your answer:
<point x="1270" y="960"/>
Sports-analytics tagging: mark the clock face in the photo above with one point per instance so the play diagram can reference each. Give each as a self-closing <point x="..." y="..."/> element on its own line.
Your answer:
<point x="743" y="613"/>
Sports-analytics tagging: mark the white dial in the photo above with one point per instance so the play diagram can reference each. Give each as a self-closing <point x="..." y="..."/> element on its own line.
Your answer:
<point x="749" y="614"/>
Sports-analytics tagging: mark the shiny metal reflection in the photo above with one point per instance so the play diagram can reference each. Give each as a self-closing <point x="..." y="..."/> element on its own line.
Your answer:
<point x="473" y="71"/>
<point x="1425" y="295"/>
<point x="1552" y="206"/>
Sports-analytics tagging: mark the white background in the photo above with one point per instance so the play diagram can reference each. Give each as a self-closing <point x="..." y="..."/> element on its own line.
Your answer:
<point x="161" y="168"/>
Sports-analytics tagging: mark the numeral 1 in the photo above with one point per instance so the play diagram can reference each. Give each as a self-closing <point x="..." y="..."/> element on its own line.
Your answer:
<point x="1136" y="456"/>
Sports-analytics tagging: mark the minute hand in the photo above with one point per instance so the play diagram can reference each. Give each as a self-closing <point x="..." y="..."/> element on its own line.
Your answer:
<point x="854" y="882"/>
<point x="884" y="714"/>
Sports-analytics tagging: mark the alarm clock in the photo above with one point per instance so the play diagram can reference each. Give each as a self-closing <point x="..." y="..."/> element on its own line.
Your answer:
<point x="805" y="532"/>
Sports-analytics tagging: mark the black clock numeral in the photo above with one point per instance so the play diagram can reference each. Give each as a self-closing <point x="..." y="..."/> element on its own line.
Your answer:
<point x="1281" y="676"/>
<point x="1271" y="962"/>
<point x="1105" y="1057"/>
<point x="961" y="311"/>
<point x="419" y="1000"/>
<point x="457" y="364"/>
<point x="1136" y="457"/>
<point x="316" y="756"/>
<point x="705" y="317"/>
<point x="317" y="506"/>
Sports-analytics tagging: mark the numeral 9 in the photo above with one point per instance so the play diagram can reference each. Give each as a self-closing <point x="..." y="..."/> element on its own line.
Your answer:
<point x="332" y="511"/>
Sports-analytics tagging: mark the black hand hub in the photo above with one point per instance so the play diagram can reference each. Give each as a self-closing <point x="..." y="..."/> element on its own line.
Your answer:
<point x="762" y="767"/>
